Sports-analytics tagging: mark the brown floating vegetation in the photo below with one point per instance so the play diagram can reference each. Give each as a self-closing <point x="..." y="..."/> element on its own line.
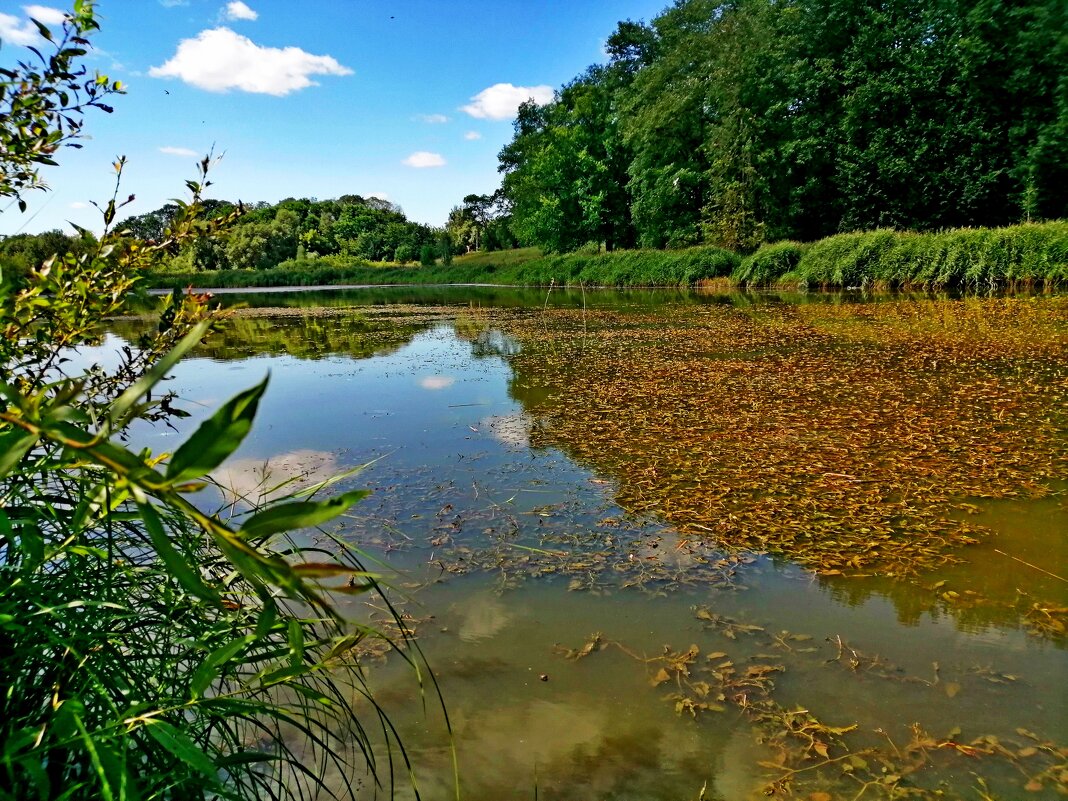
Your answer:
<point x="847" y="437"/>
<point x="809" y="758"/>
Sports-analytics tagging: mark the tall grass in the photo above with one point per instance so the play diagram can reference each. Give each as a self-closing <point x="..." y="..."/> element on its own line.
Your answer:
<point x="964" y="257"/>
<point x="769" y="262"/>
<point x="624" y="268"/>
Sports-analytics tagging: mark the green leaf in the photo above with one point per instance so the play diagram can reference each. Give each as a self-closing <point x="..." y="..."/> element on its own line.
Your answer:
<point x="302" y="514"/>
<point x="211" y="667"/>
<point x="175" y="562"/>
<point x="182" y="746"/>
<point x="217" y="437"/>
<point x="14" y="445"/>
<point x="122" y="405"/>
<point x="296" y="643"/>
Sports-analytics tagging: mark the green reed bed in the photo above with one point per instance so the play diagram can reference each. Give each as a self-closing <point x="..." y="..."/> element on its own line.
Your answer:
<point x="963" y="257"/>
<point x="966" y="258"/>
<point x="618" y="268"/>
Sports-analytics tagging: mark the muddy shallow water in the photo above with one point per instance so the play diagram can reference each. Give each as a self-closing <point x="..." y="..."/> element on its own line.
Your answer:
<point x="671" y="545"/>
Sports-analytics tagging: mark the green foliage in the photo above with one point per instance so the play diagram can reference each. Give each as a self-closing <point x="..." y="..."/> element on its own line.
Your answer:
<point x="630" y="268"/>
<point x="733" y="124"/>
<point x="151" y="649"/>
<point x="42" y="101"/>
<point x="523" y="267"/>
<point x="963" y="257"/>
<point x="20" y="253"/>
<point x="565" y="170"/>
<point x="367" y="229"/>
<point x="769" y="263"/>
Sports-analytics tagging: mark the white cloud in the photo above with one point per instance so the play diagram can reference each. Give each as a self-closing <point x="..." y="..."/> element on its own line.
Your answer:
<point x="219" y="60"/>
<point x="471" y="136"/>
<point x="433" y="119"/>
<point x="178" y="151"/>
<point x="502" y="100"/>
<point x="77" y="204"/>
<point x="238" y="10"/>
<point x="45" y="14"/>
<point x="423" y="159"/>
<point x="18" y="31"/>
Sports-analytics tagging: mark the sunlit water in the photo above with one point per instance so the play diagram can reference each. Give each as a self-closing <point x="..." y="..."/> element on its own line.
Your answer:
<point x="507" y="556"/>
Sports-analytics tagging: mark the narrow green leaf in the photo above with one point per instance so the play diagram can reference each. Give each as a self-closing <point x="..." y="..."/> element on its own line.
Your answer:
<point x="296" y="643"/>
<point x="186" y="575"/>
<point x="14" y="445"/>
<point x="217" y="437"/>
<point x="211" y="667"/>
<point x="182" y="746"/>
<point x="123" y="404"/>
<point x="302" y="514"/>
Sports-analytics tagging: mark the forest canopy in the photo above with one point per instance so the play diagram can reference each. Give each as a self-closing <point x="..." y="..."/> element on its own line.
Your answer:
<point x="736" y="123"/>
<point x="367" y="229"/>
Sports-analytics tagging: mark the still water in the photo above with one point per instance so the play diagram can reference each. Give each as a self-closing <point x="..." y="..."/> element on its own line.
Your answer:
<point x="669" y="545"/>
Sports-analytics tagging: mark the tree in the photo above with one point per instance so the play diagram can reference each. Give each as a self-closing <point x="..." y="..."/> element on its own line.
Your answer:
<point x="42" y="102"/>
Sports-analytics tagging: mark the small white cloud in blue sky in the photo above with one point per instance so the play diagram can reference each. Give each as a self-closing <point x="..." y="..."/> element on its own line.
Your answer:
<point x="218" y="60"/>
<point x="20" y="31"/>
<point x="46" y="14"/>
<point x="422" y="159"/>
<point x="502" y="100"/>
<point x="178" y="151"/>
<point x="79" y="204"/>
<point x="472" y="136"/>
<point x="238" y="10"/>
<point x="433" y="119"/>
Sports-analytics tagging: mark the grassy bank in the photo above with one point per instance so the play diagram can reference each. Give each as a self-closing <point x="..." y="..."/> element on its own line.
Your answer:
<point x="527" y="267"/>
<point x="963" y="257"/>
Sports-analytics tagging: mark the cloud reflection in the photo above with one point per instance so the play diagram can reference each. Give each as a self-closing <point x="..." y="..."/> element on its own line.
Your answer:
<point x="437" y="382"/>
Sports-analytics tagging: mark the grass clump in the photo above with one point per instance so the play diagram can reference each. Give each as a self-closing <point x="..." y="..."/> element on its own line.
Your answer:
<point x="963" y="257"/>
<point x="769" y="263"/>
<point x="630" y="267"/>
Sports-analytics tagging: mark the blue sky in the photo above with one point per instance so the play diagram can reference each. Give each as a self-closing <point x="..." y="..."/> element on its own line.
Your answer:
<point x="405" y="99"/>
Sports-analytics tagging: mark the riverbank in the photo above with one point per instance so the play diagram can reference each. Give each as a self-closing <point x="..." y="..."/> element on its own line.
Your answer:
<point x="967" y="257"/>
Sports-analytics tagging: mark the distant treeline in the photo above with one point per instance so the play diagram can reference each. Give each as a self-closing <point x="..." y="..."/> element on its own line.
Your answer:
<point x="738" y="123"/>
<point x="20" y="253"/>
<point x="368" y="229"/>
<point x="353" y="228"/>
<point x="960" y="258"/>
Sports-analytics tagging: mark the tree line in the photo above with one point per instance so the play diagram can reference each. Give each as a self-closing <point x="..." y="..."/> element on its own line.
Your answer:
<point x="735" y="123"/>
<point x="368" y="229"/>
<point x="265" y="235"/>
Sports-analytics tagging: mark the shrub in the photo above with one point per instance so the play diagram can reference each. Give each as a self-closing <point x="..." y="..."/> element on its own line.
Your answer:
<point x="150" y="649"/>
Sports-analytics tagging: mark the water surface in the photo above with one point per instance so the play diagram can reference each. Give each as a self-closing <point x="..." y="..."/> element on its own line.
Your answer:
<point x="610" y="516"/>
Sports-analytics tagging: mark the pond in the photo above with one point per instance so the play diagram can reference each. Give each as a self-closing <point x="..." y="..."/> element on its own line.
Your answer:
<point x="684" y="545"/>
